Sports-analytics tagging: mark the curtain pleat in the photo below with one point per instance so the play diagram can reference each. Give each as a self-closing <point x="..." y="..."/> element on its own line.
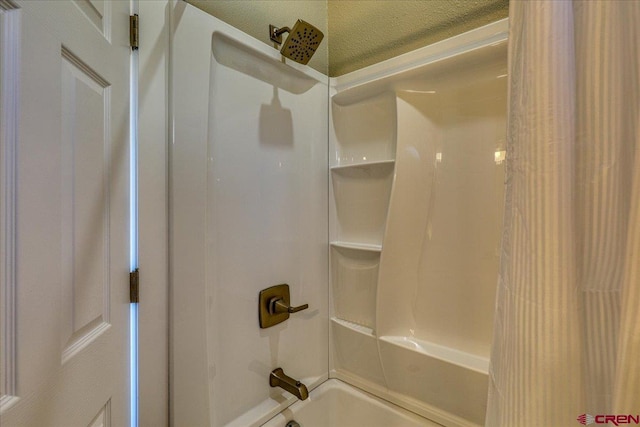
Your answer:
<point x="567" y="328"/>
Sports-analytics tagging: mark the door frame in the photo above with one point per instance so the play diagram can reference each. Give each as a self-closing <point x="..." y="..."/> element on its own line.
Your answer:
<point x="9" y="44"/>
<point x="153" y="212"/>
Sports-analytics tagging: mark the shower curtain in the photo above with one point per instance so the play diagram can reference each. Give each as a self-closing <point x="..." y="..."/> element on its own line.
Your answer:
<point x="567" y="327"/>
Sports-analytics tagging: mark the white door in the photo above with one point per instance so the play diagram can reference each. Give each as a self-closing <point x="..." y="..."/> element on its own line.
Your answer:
<point x="65" y="228"/>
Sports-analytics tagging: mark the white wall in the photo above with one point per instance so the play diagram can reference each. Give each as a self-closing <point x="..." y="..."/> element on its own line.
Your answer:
<point x="248" y="211"/>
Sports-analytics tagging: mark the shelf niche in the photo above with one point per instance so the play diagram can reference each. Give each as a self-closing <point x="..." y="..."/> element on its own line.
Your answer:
<point x="364" y="131"/>
<point x="361" y="200"/>
<point x="354" y="277"/>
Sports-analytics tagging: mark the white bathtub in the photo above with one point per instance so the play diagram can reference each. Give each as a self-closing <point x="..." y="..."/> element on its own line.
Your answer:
<point x="336" y="404"/>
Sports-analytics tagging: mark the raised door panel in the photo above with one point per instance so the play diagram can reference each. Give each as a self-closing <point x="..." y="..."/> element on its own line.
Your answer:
<point x="85" y="204"/>
<point x="103" y="418"/>
<point x="98" y="12"/>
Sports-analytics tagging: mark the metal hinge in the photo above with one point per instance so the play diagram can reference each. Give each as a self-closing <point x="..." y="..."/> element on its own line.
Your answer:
<point x="133" y="31"/>
<point x="134" y="286"/>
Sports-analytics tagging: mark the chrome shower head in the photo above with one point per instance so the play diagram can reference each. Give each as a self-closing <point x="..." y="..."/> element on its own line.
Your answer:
<point x="302" y="42"/>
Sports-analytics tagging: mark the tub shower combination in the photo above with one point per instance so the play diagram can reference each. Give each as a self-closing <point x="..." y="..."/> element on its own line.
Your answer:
<point x="398" y="190"/>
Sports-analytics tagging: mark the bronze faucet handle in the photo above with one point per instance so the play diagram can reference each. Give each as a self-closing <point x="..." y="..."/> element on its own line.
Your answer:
<point x="277" y="305"/>
<point x="274" y="305"/>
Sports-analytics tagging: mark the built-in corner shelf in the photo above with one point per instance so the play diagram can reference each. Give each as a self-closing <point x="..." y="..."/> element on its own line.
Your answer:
<point x="361" y="193"/>
<point x="363" y="138"/>
<point x="354" y="277"/>
<point x="357" y="246"/>
<point x="363" y="165"/>
<point x="354" y="327"/>
<point x="355" y="351"/>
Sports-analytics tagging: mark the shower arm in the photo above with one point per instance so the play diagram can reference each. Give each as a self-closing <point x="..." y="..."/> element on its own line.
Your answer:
<point x="275" y="33"/>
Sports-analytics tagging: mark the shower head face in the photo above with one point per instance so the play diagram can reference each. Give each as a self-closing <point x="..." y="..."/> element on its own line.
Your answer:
<point x="302" y="42"/>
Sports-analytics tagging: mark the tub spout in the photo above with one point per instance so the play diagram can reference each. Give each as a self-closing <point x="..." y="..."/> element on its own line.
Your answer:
<point x="279" y="379"/>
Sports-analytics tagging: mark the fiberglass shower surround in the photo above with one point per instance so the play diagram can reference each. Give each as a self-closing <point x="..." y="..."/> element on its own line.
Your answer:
<point x="415" y="164"/>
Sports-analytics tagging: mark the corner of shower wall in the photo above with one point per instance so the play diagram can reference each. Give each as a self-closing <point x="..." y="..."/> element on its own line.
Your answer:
<point x="416" y="149"/>
<point x="362" y="155"/>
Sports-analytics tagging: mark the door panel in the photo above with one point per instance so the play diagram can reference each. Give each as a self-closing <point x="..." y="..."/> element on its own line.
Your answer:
<point x="85" y="204"/>
<point x="71" y="215"/>
<point x="99" y="13"/>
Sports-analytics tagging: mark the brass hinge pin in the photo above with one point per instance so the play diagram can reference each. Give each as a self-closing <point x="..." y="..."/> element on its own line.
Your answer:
<point x="133" y="31"/>
<point x="134" y="286"/>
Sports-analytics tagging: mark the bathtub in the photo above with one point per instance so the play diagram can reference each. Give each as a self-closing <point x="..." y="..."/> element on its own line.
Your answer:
<point x="335" y="403"/>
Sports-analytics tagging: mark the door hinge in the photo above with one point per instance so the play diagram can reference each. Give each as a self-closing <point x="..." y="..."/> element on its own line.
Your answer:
<point x="133" y="31"/>
<point x="134" y="286"/>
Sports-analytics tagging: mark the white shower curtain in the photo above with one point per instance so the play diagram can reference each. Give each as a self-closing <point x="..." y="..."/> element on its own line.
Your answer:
<point x="567" y="325"/>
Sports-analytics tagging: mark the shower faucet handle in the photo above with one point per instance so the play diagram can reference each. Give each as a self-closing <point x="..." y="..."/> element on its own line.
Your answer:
<point x="277" y="305"/>
<point x="274" y="305"/>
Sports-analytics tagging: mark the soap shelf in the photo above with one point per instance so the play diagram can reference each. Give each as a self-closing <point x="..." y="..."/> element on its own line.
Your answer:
<point x="354" y="327"/>
<point x="361" y="195"/>
<point x="357" y="246"/>
<point x="354" y="277"/>
<point x="364" y="164"/>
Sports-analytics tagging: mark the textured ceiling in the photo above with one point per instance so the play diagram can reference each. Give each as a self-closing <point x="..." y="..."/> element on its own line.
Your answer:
<point x="360" y="32"/>
<point x="365" y="32"/>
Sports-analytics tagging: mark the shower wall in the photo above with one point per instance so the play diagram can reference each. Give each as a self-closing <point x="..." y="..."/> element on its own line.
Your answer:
<point x="401" y="293"/>
<point x="251" y="17"/>
<point x="248" y="211"/>
<point x="417" y="149"/>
